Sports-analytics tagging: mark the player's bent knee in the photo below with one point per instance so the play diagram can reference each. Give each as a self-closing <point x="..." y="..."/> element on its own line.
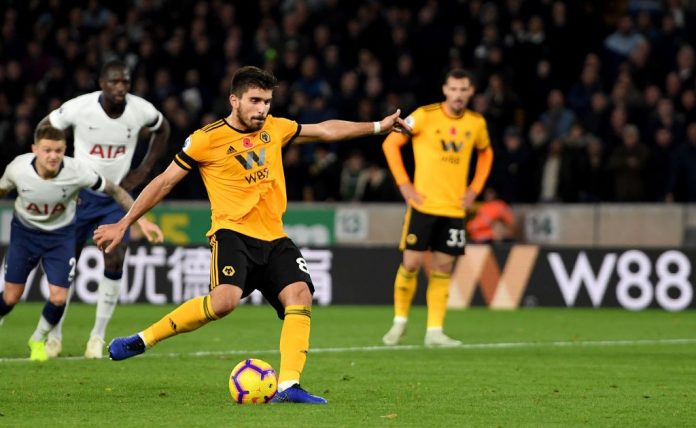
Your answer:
<point x="11" y="301"/>
<point x="296" y="293"/>
<point x="411" y="267"/>
<point x="412" y="260"/>
<point x="12" y="295"/>
<point x="412" y="264"/>
<point x="58" y="301"/>
<point x="223" y="309"/>
<point x="57" y="295"/>
<point x="225" y="299"/>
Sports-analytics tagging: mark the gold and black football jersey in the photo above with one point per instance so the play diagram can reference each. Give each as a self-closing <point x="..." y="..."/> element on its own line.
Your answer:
<point x="243" y="175"/>
<point x="442" y="148"/>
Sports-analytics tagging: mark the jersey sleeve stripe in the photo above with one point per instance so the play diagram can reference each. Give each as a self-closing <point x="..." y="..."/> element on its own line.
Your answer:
<point x="155" y="124"/>
<point x="210" y="125"/>
<point x="299" y="129"/>
<point x="214" y="126"/>
<point x="98" y="184"/>
<point x="184" y="161"/>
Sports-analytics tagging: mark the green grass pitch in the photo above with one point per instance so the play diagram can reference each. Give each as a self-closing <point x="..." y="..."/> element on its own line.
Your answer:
<point x="532" y="367"/>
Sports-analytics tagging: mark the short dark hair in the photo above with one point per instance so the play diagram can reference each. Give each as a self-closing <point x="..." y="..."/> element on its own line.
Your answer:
<point x="251" y="77"/>
<point x="47" y="132"/>
<point x="460" y="73"/>
<point x="114" y="63"/>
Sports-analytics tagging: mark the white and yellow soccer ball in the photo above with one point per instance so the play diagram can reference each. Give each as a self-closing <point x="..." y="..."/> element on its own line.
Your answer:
<point x="253" y="381"/>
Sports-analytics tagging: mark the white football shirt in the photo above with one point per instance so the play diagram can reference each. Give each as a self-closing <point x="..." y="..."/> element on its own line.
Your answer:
<point x="105" y="144"/>
<point x="48" y="204"/>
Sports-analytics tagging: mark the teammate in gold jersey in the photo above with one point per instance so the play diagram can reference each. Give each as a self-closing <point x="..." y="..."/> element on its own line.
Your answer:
<point x="240" y="162"/>
<point x="444" y="136"/>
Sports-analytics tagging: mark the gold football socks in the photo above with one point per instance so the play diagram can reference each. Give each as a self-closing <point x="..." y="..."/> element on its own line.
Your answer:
<point x="436" y="297"/>
<point x="189" y="316"/>
<point x="294" y="344"/>
<point x="404" y="289"/>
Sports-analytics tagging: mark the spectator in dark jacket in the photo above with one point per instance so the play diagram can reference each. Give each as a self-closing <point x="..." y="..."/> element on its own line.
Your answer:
<point x="629" y="162"/>
<point x="683" y="182"/>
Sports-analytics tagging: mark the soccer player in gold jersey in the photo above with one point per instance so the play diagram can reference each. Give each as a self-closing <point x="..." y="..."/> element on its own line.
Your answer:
<point x="444" y="137"/>
<point x="240" y="161"/>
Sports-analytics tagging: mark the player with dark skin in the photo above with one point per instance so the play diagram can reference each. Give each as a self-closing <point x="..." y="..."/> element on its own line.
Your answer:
<point x="115" y="85"/>
<point x="106" y="137"/>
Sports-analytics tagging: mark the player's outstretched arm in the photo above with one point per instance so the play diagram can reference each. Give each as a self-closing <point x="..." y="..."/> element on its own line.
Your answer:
<point x="337" y="130"/>
<point x="157" y="147"/>
<point x="108" y="236"/>
<point x="151" y="231"/>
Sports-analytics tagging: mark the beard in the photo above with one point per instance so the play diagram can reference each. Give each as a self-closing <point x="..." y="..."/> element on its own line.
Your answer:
<point x="457" y="106"/>
<point x="111" y="105"/>
<point x="250" y="124"/>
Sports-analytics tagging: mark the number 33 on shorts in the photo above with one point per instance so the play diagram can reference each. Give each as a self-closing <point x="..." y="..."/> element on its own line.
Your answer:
<point x="457" y="238"/>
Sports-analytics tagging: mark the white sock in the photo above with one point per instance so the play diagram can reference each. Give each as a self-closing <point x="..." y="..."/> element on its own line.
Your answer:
<point x="42" y="330"/>
<point x="142" y="337"/>
<point x="282" y="386"/>
<point x="109" y="290"/>
<point x="434" y="330"/>
<point x="57" y="332"/>
<point x="400" y="320"/>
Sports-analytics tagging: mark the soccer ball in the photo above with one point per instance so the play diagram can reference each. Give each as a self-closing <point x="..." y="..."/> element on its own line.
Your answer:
<point x="253" y="381"/>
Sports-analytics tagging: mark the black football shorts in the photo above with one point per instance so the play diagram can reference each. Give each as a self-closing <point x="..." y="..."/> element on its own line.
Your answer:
<point x="253" y="264"/>
<point x="422" y="232"/>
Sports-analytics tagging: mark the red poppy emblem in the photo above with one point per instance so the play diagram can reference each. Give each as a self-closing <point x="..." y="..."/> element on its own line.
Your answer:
<point x="453" y="131"/>
<point x="247" y="143"/>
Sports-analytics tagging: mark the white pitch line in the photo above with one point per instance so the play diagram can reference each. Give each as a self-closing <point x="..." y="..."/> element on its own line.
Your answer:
<point x="470" y="346"/>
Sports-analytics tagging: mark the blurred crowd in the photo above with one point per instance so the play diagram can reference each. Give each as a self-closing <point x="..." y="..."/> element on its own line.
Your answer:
<point x="586" y="100"/>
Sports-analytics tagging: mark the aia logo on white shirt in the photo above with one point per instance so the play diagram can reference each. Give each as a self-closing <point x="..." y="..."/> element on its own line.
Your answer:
<point x="105" y="151"/>
<point x="45" y="209"/>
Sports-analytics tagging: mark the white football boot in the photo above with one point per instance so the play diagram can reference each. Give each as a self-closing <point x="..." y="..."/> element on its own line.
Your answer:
<point x="53" y="347"/>
<point x="436" y="338"/>
<point x="394" y="335"/>
<point x="95" y="348"/>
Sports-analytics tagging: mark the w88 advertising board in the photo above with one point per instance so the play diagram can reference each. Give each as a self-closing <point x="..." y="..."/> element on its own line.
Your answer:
<point x="504" y="277"/>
